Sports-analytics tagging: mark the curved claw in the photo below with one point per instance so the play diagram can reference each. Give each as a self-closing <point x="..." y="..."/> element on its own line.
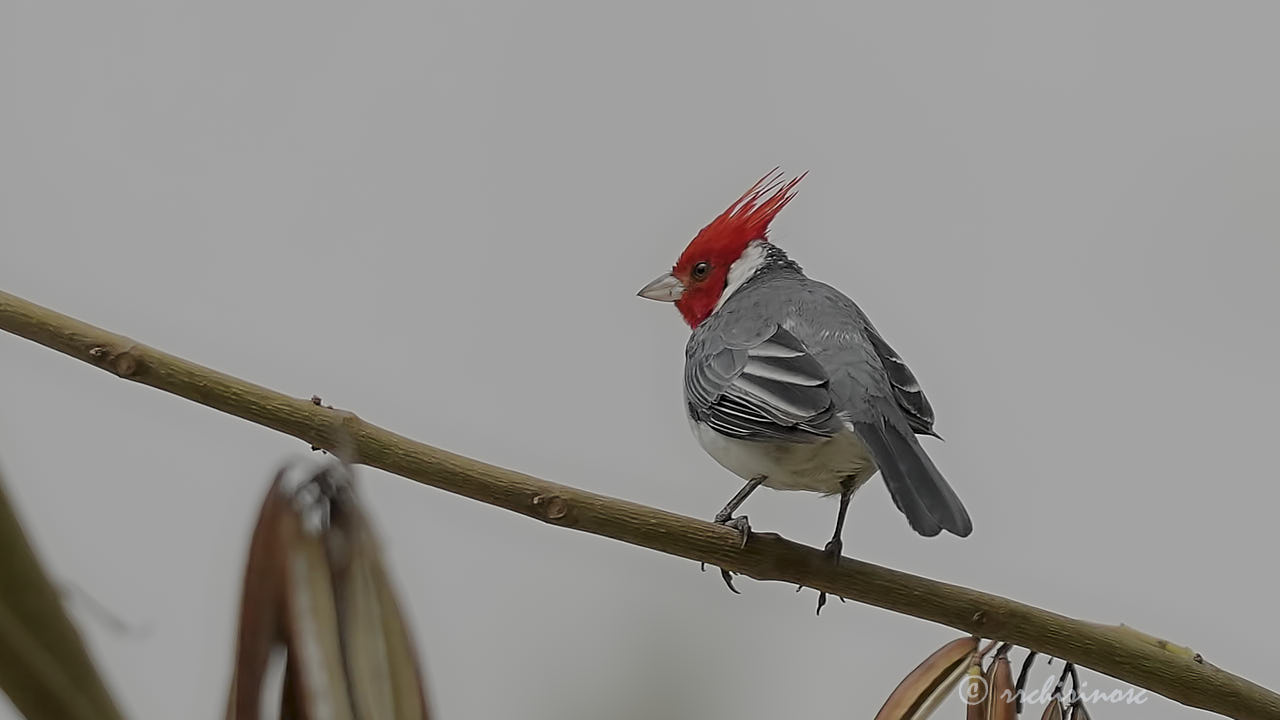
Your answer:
<point x="822" y="600"/>
<point x="744" y="529"/>
<point x="728" y="580"/>
<point x="833" y="550"/>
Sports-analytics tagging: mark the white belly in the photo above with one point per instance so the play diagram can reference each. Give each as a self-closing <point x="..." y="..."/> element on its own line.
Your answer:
<point x="816" y="467"/>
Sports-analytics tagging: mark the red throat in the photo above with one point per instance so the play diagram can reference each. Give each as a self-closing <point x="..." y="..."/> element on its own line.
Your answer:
<point x="722" y="241"/>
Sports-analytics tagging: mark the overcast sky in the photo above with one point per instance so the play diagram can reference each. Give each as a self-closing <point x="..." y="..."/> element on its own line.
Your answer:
<point x="437" y="214"/>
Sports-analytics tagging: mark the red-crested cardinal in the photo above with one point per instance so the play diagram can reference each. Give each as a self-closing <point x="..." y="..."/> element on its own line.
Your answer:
<point x="786" y="382"/>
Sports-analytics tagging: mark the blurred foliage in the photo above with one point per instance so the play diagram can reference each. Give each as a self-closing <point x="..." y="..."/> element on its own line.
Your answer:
<point x="316" y="591"/>
<point x="316" y="587"/>
<point x="44" y="667"/>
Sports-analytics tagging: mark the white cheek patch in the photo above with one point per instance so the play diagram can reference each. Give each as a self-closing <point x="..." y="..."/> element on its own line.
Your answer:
<point x="742" y="269"/>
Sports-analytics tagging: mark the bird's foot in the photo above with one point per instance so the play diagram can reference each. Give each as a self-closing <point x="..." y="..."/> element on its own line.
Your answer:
<point x="743" y="527"/>
<point x="833" y="550"/>
<point x="738" y="523"/>
<point x="822" y="600"/>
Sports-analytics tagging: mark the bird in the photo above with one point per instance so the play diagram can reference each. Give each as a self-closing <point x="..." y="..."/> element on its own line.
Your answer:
<point x="788" y="385"/>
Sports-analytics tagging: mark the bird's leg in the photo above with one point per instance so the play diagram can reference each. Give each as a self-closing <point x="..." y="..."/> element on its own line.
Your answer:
<point x="835" y="546"/>
<point x="725" y="517"/>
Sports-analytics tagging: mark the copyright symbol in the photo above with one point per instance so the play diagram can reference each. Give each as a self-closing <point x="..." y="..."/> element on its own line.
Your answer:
<point x="973" y="690"/>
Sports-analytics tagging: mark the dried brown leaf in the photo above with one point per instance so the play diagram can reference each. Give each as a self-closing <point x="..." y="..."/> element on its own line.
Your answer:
<point x="975" y="692"/>
<point x="1002" y="700"/>
<point x="924" y="688"/>
<point x="312" y="631"/>
<point x="261" y="601"/>
<point x="381" y="662"/>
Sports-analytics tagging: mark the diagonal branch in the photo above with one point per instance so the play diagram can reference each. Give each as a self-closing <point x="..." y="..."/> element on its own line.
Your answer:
<point x="1118" y="651"/>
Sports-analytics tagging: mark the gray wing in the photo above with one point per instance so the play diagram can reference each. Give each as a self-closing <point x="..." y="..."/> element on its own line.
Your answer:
<point x="769" y="388"/>
<point x="906" y="389"/>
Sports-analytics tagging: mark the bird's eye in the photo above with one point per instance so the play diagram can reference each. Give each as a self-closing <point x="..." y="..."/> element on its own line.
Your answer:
<point x="700" y="270"/>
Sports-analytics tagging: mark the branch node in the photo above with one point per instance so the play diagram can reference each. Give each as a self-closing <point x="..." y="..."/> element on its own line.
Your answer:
<point x="124" y="363"/>
<point x="551" y="508"/>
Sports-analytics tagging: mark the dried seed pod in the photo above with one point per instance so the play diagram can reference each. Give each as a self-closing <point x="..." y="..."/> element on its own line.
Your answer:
<point x="1078" y="711"/>
<point x="262" y="598"/>
<point x="315" y="582"/>
<point x="381" y="662"/>
<point x="976" y="690"/>
<point x="1052" y="711"/>
<point x="315" y="659"/>
<point x="921" y="691"/>
<point x="1002" y="700"/>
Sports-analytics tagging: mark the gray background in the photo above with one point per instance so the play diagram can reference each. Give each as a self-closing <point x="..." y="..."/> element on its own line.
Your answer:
<point x="437" y="215"/>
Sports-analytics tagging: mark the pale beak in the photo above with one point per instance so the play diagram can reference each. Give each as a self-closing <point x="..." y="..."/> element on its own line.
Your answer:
<point x="664" y="289"/>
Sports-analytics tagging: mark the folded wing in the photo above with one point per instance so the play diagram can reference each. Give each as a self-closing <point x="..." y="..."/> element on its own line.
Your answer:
<point x="768" y="389"/>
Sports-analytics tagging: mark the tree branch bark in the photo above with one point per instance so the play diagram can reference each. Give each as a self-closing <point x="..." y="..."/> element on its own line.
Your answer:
<point x="1119" y="651"/>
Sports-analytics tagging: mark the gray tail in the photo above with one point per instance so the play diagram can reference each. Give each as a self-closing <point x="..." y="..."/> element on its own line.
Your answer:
<point x="915" y="484"/>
